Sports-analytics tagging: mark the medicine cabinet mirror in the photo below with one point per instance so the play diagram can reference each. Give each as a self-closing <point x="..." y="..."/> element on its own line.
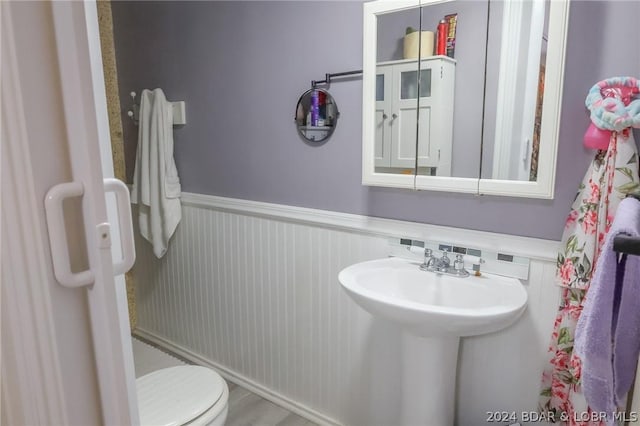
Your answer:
<point x="482" y="115"/>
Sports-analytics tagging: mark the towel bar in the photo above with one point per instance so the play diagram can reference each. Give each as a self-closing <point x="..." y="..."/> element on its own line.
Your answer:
<point x="624" y="243"/>
<point x="627" y="244"/>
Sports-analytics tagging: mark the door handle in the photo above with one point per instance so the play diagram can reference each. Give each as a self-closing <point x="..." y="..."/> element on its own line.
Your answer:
<point x="123" y="204"/>
<point x="58" y="237"/>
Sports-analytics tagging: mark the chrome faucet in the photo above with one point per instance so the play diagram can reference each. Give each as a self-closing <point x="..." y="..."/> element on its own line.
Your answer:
<point x="443" y="265"/>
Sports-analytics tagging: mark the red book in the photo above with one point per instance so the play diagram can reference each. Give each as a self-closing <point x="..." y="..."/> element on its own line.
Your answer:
<point x="452" y="23"/>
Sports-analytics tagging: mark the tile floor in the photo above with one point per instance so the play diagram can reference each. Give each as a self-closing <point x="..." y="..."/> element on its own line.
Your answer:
<point x="245" y="407"/>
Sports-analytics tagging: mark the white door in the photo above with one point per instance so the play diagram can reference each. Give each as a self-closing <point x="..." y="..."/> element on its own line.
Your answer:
<point x="404" y="117"/>
<point x="66" y="355"/>
<point x="384" y="76"/>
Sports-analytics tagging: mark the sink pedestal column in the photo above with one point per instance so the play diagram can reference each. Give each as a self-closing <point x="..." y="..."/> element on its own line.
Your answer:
<point x="429" y="380"/>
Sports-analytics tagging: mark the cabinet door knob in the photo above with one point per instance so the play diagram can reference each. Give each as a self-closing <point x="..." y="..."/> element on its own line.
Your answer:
<point x="385" y="116"/>
<point x="394" y="116"/>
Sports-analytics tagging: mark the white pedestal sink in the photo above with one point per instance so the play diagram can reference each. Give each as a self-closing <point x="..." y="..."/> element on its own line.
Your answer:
<point x="434" y="311"/>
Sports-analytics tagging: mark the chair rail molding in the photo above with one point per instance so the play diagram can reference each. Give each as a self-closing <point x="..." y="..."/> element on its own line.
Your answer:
<point x="533" y="248"/>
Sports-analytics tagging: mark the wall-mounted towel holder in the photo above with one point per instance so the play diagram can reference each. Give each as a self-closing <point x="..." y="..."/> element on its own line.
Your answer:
<point x="627" y="244"/>
<point x="179" y="111"/>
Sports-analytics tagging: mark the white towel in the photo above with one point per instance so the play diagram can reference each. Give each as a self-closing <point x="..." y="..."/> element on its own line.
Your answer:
<point x="156" y="186"/>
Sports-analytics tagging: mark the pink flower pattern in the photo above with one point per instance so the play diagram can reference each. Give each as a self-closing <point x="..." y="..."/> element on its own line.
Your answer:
<point x="594" y="195"/>
<point x="612" y="175"/>
<point x="566" y="270"/>
<point x="571" y="219"/>
<point x="590" y="222"/>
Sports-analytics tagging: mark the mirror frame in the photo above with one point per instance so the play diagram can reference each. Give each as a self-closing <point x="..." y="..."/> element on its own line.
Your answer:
<point x="543" y="187"/>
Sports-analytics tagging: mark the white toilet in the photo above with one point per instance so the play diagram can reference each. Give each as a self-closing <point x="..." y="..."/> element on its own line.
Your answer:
<point x="184" y="395"/>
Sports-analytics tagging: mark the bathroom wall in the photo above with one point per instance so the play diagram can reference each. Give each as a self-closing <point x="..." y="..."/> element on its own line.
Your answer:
<point x="241" y="66"/>
<point x="253" y="291"/>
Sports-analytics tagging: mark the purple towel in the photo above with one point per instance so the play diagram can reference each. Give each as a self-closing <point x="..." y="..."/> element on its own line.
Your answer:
<point x="608" y="332"/>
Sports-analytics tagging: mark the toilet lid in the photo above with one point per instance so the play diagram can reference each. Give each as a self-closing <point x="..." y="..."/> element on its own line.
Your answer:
<point x="177" y="395"/>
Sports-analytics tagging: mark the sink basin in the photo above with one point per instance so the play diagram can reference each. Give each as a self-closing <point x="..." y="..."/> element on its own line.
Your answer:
<point x="431" y="304"/>
<point x="434" y="311"/>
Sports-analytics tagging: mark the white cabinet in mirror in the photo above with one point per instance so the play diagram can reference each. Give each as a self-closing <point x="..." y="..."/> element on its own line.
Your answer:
<point x="396" y="99"/>
<point x="486" y="121"/>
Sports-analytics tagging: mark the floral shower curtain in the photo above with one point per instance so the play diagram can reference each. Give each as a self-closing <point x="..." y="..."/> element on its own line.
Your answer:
<point x="612" y="174"/>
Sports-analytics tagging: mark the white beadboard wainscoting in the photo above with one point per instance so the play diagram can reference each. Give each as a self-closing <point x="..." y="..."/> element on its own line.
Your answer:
<point x="251" y="288"/>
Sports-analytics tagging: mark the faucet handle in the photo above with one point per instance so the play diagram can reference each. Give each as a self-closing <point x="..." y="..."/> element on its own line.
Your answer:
<point x="458" y="266"/>
<point x="428" y="261"/>
<point x="428" y="254"/>
<point x="445" y="261"/>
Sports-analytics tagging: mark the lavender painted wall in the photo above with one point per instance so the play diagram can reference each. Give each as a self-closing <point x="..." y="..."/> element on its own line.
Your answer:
<point x="241" y="67"/>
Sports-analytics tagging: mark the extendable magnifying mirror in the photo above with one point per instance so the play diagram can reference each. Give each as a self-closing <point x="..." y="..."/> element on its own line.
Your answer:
<point x="316" y="115"/>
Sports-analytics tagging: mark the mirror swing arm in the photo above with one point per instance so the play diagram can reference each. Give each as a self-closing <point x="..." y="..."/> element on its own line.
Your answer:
<point x="543" y="186"/>
<point x="328" y="77"/>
